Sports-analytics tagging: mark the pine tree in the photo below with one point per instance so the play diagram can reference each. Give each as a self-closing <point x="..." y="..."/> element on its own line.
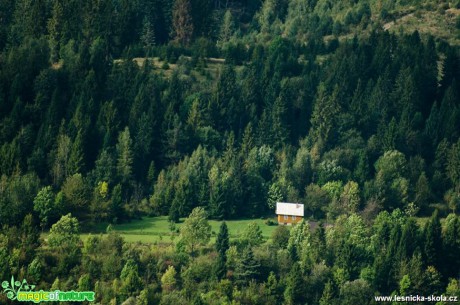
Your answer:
<point x="131" y="282"/>
<point x="272" y="283"/>
<point x="54" y="27"/>
<point x="182" y="22"/>
<point x="226" y="99"/>
<point x="28" y="20"/>
<point x="451" y="247"/>
<point x="216" y="192"/>
<point x="76" y="158"/>
<point x="222" y="245"/>
<point x="148" y="36"/>
<point x="202" y="12"/>
<point x="247" y="268"/>
<point x="328" y="295"/>
<point x="222" y="241"/>
<point x="168" y="280"/>
<point x="409" y="240"/>
<point x="248" y="140"/>
<point x="143" y="142"/>
<point x="453" y="165"/>
<point x="226" y="29"/>
<point x="279" y="119"/>
<point x="125" y="158"/>
<point x="422" y="191"/>
<point x="295" y="292"/>
<point x="416" y="274"/>
<point x="433" y="242"/>
<point x="29" y="239"/>
<point x="60" y="167"/>
<point x="151" y="174"/>
<point x="116" y="210"/>
<point x="349" y="198"/>
<point x="174" y="215"/>
<point x="324" y="117"/>
<point x="274" y="195"/>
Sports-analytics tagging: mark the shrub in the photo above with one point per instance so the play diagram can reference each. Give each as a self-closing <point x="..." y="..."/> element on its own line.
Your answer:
<point x="270" y="222"/>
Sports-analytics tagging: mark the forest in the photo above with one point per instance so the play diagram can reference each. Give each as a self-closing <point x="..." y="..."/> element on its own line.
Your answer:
<point x="112" y="111"/>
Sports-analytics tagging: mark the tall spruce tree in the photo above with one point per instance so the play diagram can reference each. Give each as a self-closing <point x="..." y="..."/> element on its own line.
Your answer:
<point x="247" y="268"/>
<point x="222" y="245"/>
<point x="295" y="288"/>
<point x="125" y="157"/>
<point x="182" y="21"/>
<point x="433" y="241"/>
<point x="450" y="265"/>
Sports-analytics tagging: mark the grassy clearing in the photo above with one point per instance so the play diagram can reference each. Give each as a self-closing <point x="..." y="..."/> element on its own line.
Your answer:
<point x="210" y="70"/>
<point x="438" y="22"/>
<point x="157" y="229"/>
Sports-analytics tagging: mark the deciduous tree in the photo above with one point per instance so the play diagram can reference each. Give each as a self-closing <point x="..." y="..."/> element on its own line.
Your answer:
<point x="196" y="230"/>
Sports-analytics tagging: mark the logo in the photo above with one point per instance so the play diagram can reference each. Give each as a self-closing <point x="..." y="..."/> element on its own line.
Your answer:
<point x="24" y="292"/>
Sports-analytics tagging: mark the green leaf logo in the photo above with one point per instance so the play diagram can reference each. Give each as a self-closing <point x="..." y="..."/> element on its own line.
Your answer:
<point x="13" y="287"/>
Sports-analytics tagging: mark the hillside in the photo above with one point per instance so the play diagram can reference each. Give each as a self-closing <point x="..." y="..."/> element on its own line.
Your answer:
<point x="180" y="115"/>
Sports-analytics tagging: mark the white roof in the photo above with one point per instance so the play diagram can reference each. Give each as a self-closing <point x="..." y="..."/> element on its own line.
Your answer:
<point x="292" y="209"/>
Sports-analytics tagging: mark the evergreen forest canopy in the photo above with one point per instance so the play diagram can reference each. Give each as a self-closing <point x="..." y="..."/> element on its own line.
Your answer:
<point x="114" y="110"/>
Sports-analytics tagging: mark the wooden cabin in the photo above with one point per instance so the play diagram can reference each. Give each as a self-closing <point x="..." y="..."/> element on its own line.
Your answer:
<point x="289" y="213"/>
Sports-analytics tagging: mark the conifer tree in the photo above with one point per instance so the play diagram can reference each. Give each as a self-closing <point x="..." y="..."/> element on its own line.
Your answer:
<point x="247" y="268"/>
<point x="409" y="240"/>
<point x="76" y="158"/>
<point x="182" y="21"/>
<point x="272" y="287"/>
<point x="328" y="295"/>
<point x="222" y="245"/>
<point x="324" y="116"/>
<point x="222" y="241"/>
<point x="453" y="165"/>
<point x="295" y="292"/>
<point x="125" y="158"/>
<point x="60" y="167"/>
<point x="433" y="242"/>
<point x="226" y="29"/>
<point x="451" y="247"/>
<point x="148" y="35"/>
<point x="422" y="191"/>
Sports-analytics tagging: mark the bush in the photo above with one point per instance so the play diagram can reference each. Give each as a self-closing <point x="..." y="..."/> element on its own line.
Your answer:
<point x="270" y="222"/>
<point x="280" y="237"/>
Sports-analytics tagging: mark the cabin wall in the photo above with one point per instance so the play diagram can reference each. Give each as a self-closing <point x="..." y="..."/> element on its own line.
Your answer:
<point x="289" y="220"/>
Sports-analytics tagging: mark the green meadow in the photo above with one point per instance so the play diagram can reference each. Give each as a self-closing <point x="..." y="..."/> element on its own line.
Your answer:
<point x="157" y="229"/>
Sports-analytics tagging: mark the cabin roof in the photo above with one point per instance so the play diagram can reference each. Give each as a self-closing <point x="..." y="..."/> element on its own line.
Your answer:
<point x="286" y="208"/>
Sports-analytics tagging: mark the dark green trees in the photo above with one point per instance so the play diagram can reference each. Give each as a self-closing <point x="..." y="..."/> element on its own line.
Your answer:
<point x="182" y="21"/>
<point x="294" y="293"/>
<point x="450" y="245"/>
<point x="247" y="268"/>
<point x="222" y="244"/>
<point x="433" y="241"/>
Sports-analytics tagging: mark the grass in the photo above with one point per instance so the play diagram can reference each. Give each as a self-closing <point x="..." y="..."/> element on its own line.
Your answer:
<point x="436" y="21"/>
<point x="157" y="229"/>
<point x="213" y="65"/>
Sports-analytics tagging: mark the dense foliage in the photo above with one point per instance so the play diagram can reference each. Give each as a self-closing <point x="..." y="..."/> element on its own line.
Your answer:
<point x="229" y="107"/>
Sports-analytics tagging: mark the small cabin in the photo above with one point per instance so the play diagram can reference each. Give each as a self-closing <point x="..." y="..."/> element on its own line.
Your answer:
<point x="289" y="213"/>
